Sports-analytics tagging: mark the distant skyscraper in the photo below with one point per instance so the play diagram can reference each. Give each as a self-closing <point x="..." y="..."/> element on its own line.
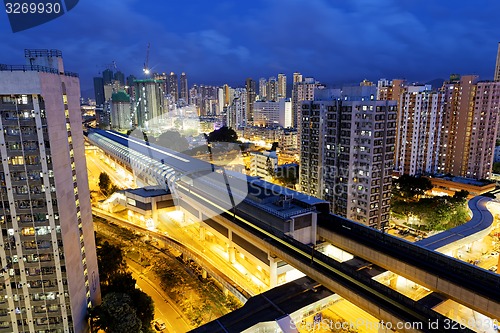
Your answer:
<point x="184" y="88"/>
<point x="303" y="90"/>
<point x="120" y="111"/>
<point x="281" y="86"/>
<point x="390" y="90"/>
<point x="272" y="90"/>
<point x="172" y="87"/>
<point x="297" y="77"/>
<point x="99" y="91"/>
<point x="262" y="89"/>
<point x="497" y="67"/>
<point x="251" y="95"/>
<point x="107" y="76"/>
<point x="420" y="121"/>
<point x="130" y="85"/>
<point x="236" y="112"/>
<point x="48" y="250"/>
<point x="273" y="114"/>
<point x="347" y="155"/>
<point x="149" y="102"/>
<point x="120" y="77"/>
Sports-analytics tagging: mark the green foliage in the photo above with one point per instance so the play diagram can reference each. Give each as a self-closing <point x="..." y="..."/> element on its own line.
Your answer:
<point x="117" y="281"/>
<point x="173" y="140"/>
<point x="437" y="213"/>
<point x="117" y="315"/>
<point x="287" y="176"/>
<point x="410" y="187"/>
<point x="496" y="167"/>
<point x="223" y="134"/>
<point x="110" y="261"/>
<point x="270" y="169"/>
<point x="144" y="306"/>
<point x="104" y="183"/>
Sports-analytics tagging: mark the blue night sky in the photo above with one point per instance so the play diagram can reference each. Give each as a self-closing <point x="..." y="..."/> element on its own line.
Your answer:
<point x="217" y="42"/>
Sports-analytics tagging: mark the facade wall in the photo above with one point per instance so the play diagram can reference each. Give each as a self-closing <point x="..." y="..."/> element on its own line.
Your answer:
<point x="120" y="116"/>
<point x="48" y="243"/>
<point x="149" y="103"/>
<point x="419" y="130"/>
<point x="347" y="154"/>
<point x="484" y="130"/>
<point x="470" y="126"/>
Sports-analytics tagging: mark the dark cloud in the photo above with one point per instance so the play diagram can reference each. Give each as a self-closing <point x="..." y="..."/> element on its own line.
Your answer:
<point x="227" y="41"/>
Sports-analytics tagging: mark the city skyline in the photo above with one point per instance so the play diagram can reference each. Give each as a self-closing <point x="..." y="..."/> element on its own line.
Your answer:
<point x="224" y="43"/>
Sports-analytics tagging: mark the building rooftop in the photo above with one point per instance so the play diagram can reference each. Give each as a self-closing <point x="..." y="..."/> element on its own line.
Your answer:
<point x="33" y="68"/>
<point x="463" y="180"/>
<point x="269" y="306"/>
<point x="148" y="192"/>
<point x="120" y="96"/>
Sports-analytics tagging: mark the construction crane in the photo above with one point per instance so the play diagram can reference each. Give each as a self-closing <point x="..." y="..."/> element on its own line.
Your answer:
<point x="146" y="62"/>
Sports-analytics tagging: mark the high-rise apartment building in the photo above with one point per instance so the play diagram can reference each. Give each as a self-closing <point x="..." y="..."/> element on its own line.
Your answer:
<point x="172" y="86"/>
<point x="184" y="93"/>
<point x="262" y="89"/>
<point x="272" y="114"/>
<point x="251" y="95"/>
<point x="99" y="91"/>
<point x="496" y="77"/>
<point x="149" y="103"/>
<point x="420" y="119"/>
<point x="120" y="77"/>
<point x="390" y="90"/>
<point x="50" y="276"/>
<point x="303" y="90"/>
<point x="107" y="76"/>
<point x="272" y="90"/>
<point x="120" y="117"/>
<point x="236" y="112"/>
<point x="456" y="133"/>
<point x="483" y="130"/>
<point x="347" y="154"/>
<point x="281" y="86"/>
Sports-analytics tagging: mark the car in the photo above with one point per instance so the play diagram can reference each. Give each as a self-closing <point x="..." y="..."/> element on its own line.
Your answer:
<point x="160" y="325"/>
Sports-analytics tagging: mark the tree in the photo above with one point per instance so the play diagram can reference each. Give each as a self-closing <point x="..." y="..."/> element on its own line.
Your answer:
<point x="144" y="307"/>
<point x="110" y="261"/>
<point x="270" y="168"/>
<point x="223" y="134"/>
<point x="123" y="282"/>
<point x="461" y="196"/>
<point x="411" y="187"/>
<point x="104" y="183"/>
<point x="172" y="140"/>
<point x="496" y="167"/>
<point x="117" y="315"/>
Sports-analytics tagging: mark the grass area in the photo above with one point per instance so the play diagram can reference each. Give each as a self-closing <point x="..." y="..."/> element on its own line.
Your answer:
<point x="200" y="300"/>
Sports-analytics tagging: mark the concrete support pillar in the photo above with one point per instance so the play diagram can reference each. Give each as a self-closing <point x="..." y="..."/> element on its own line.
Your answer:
<point x="394" y="281"/>
<point x="273" y="272"/>
<point x="202" y="232"/>
<point x="314" y="228"/>
<point x="232" y="253"/>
